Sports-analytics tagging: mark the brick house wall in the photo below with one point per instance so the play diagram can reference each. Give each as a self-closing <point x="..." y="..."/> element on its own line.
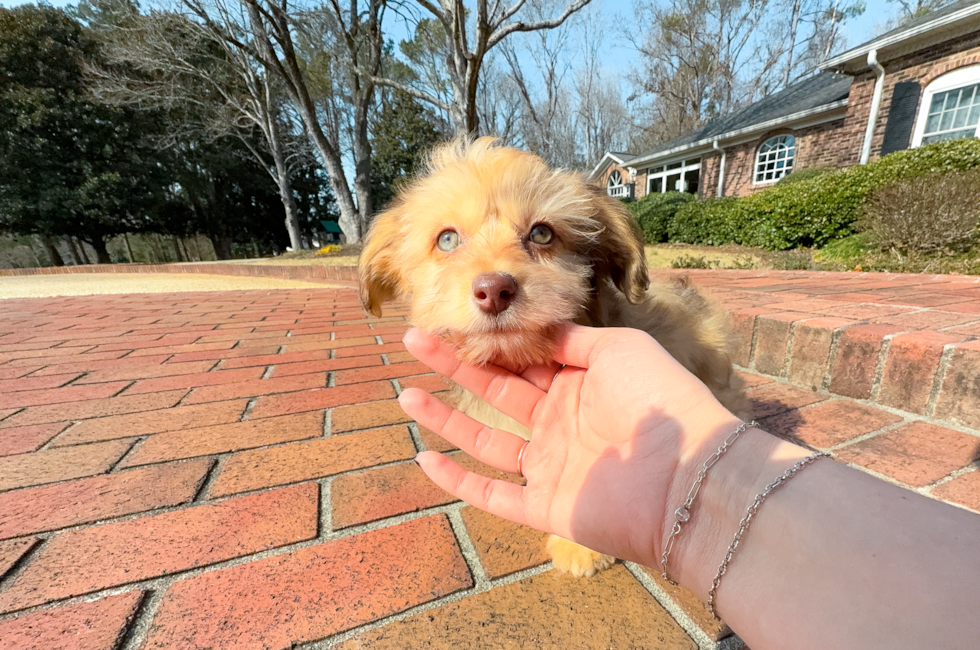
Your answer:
<point x="821" y="145"/>
<point x="923" y="67"/>
<point x="836" y="143"/>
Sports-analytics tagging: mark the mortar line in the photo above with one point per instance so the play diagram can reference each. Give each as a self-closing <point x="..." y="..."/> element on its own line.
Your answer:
<point x="325" y="515"/>
<point x="329" y="642"/>
<point x="955" y="474"/>
<point x="128" y="452"/>
<point x="674" y="610"/>
<point x="204" y="487"/>
<point x="135" y="632"/>
<point x="886" y="346"/>
<point x="413" y="431"/>
<point x="50" y="444"/>
<point x="248" y="409"/>
<point x="945" y="359"/>
<point x="866" y="402"/>
<point x="467" y="548"/>
<point x="15" y="569"/>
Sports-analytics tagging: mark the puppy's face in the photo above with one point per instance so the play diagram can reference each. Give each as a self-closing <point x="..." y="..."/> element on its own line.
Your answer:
<point x="494" y="250"/>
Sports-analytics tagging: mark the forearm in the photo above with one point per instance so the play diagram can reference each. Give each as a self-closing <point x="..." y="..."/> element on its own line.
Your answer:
<point x="834" y="559"/>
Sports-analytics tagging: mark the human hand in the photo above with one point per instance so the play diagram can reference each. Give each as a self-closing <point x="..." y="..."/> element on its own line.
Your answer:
<point x="609" y="432"/>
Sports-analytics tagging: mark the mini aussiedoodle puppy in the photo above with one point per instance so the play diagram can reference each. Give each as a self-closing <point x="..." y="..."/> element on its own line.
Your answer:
<point x="493" y="250"/>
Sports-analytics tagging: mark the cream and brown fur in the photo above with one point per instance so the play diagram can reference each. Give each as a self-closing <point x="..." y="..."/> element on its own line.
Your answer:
<point x="593" y="272"/>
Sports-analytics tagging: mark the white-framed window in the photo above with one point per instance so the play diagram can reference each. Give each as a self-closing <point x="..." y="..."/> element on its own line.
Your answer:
<point x="680" y="176"/>
<point x="774" y="159"/>
<point x="950" y="107"/>
<point x="615" y="186"/>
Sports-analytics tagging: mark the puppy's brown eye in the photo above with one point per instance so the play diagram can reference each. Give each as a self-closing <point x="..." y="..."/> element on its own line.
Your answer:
<point x="541" y="235"/>
<point x="448" y="240"/>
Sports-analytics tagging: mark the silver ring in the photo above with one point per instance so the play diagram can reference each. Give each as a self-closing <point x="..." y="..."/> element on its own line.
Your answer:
<point x="557" y="373"/>
<point x="520" y="458"/>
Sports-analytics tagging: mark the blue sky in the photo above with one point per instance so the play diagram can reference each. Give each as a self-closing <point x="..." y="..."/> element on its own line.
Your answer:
<point x="859" y="30"/>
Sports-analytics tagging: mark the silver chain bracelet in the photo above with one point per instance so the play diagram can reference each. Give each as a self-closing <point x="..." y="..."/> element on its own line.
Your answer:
<point x="683" y="514"/>
<point x="747" y="519"/>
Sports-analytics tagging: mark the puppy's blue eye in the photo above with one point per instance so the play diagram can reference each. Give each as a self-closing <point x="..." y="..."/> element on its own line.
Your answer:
<point x="541" y="235"/>
<point x="448" y="240"/>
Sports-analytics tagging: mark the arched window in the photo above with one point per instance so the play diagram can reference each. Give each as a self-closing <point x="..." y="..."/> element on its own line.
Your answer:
<point x="774" y="159"/>
<point x="950" y="107"/>
<point x="615" y="179"/>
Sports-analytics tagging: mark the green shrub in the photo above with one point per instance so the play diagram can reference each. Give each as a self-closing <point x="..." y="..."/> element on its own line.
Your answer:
<point x="816" y="211"/>
<point x="655" y="211"/>
<point x="843" y="250"/>
<point x="803" y="175"/>
<point x="708" y="221"/>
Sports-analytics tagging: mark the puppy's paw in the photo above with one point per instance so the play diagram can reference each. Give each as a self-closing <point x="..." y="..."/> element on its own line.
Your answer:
<point x="576" y="559"/>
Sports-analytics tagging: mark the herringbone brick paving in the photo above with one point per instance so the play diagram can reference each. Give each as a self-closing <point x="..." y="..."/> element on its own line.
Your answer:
<point x="230" y="469"/>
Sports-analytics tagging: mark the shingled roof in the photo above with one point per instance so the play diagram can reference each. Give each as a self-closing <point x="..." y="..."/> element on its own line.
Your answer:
<point x="825" y="90"/>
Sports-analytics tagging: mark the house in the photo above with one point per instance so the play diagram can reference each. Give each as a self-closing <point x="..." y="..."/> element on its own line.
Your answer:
<point x="914" y="85"/>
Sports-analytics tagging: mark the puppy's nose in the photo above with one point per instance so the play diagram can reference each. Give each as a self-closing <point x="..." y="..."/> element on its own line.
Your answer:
<point x="494" y="292"/>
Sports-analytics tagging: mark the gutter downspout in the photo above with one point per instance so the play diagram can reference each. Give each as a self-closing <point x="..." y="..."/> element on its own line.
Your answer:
<point x="875" y="104"/>
<point x="721" y="168"/>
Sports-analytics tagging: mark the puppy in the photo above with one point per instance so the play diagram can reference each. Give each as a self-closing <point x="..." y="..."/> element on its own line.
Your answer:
<point x="494" y="250"/>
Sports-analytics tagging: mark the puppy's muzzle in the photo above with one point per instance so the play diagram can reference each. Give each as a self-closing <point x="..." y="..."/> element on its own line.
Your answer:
<point x="494" y="292"/>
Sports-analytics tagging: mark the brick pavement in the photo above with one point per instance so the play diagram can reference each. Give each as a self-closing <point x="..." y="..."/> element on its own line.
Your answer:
<point x="230" y="470"/>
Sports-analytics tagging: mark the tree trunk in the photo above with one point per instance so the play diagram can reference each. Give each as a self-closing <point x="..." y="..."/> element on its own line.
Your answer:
<point x="362" y="156"/>
<point x="129" y="249"/>
<point x="74" y="252"/>
<point x="222" y="246"/>
<point x="176" y="246"/>
<point x="794" y="23"/>
<point x="286" y="194"/>
<point x="289" y="69"/>
<point x="100" y="250"/>
<point x="52" y="251"/>
<point x="81" y="250"/>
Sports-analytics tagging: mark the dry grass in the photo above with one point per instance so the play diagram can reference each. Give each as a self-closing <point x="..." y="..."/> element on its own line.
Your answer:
<point x="663" y="256"/>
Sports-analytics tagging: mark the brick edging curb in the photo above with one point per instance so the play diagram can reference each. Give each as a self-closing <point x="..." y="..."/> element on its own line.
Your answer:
<point x="292" y="272"/>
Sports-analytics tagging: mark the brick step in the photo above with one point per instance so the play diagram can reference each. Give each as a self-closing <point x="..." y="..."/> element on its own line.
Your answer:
<point x="925" y="372"/>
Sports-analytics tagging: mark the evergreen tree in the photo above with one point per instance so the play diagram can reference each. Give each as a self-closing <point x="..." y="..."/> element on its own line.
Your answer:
<point x="403" y="132"/>
<point x="70" y="166"/>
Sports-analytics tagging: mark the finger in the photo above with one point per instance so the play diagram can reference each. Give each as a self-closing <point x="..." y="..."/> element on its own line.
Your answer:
<point x="501" y="389"/>
<point x="496" y="497"/>
<point x="542" y="376"/>
<point x="579" y="345"/>
<point x="492" y="446"/>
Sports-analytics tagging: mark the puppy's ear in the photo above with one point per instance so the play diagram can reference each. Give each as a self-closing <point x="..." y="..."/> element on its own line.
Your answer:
<point x="620" y="255"/>
<point x="378" y="273"/>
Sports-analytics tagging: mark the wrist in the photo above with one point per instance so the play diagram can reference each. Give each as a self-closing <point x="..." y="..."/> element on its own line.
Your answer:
<point x="729" y="486"/>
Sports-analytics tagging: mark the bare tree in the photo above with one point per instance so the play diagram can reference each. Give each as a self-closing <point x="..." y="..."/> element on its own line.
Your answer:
<point x="165" y="60"/>
<point x="547" y="121"/>
<point x="270" y="32"/>
<point x="602" y="119"/>
<point x="912" y="9"/>
<point x="705" y="58"/>
<point x="491" y="25"/>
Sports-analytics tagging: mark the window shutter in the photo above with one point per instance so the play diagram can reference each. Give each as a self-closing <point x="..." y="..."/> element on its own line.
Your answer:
<point x="901" y="117"/>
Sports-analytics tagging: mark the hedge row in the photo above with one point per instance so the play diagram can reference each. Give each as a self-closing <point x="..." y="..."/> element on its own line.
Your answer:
<point x="803" y="213"/>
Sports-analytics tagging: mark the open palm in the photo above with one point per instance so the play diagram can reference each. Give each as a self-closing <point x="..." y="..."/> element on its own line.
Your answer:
<point x="608" y="430"/>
